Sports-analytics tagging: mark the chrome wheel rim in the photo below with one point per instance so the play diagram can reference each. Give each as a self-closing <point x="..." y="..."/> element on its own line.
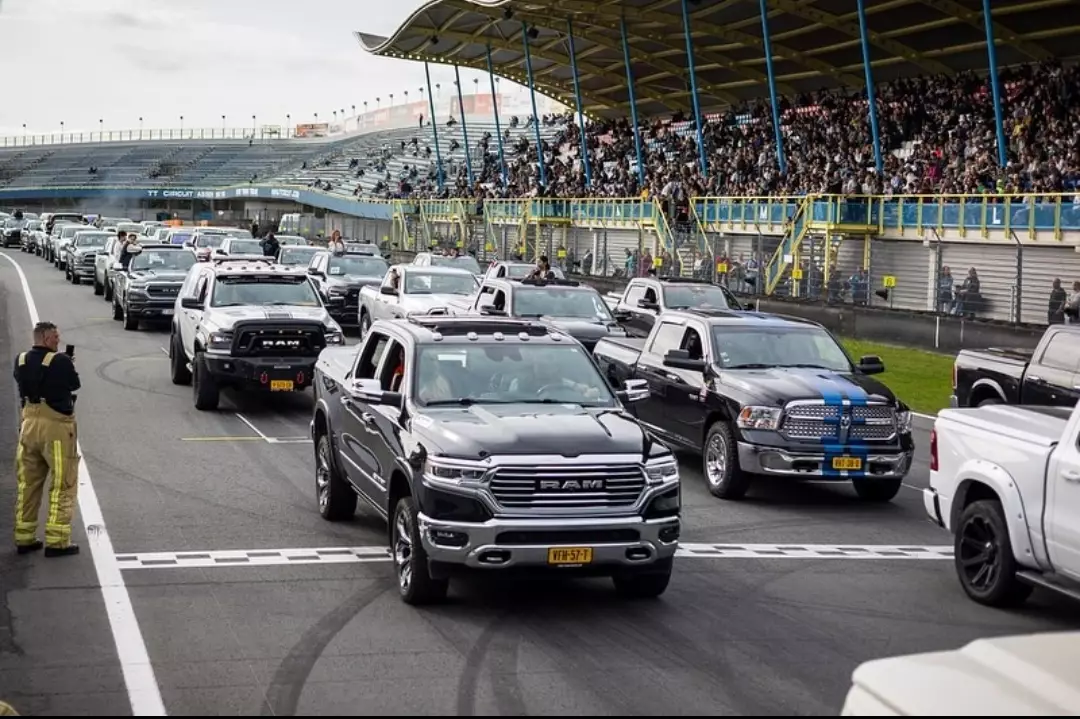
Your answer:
<point x="716" y="460"/>
<point x="403" y="550"/>
<point x="322" y="475"/>
<point x="979" y="554"/>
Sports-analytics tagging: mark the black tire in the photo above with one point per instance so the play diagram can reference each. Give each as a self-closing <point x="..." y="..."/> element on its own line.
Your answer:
<point x="131" y="323"/>
<point x="99" y="289"/>
<point x="178" y="368"/>
<point x="206" y="390"/>
<point x="416" y="586"/>
<point x="108" y="292"/>
<point x="337" y="500"/>
<point x="117" y="310"/>
<point x="74" y="278"/>
<point x="645" y="584"/>
<point x="989" y="401"/>
<point x="877" y="490"/>
<point x="984" y="558"/>
<point x="726" y="479"/>
<point x="365" y="324"/>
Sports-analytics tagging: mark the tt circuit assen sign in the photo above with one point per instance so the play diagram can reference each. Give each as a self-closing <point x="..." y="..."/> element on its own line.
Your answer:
<point x="312" y="198"/>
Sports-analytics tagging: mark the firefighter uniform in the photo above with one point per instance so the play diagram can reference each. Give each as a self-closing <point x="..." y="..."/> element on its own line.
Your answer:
<point x="47" y="444"/>
<point x="6" y="710"/>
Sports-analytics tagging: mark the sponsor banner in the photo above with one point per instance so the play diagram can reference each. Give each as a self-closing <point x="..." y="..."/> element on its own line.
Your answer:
<point x="313" y="129"/>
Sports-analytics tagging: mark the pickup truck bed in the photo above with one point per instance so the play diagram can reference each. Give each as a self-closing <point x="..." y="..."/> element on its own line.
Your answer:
<point x="1028" y="424"/>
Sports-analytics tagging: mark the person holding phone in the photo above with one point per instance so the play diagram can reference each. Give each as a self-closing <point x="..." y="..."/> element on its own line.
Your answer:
<point x="48" y="443"/>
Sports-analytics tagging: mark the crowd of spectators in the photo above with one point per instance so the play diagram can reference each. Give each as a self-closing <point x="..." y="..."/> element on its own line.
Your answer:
<point x="938" y="136"/>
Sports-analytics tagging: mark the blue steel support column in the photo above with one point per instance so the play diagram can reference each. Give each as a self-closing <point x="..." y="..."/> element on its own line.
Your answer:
<point x="870" y="95"/>
<point x="532" y="96"/>
<point x="464" y="126"/>
<point x="995" y="84"/>
<point x="577" y="98"/>
<point x="498" y="127"/>
<point x="633" y="104"/>
<point x="434" y="128"/>
<point x="693" y="89"/>
<point x="767" y="40"/>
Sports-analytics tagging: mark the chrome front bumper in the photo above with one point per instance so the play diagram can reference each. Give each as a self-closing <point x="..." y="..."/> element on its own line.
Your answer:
<point x="485" y="546"/>
<point x="777" y="462"/>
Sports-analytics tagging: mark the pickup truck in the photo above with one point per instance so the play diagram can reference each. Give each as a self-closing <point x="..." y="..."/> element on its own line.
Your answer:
<point x="758" y="394"/>
<point x="410" y="289"/>
<point x="578" y="310"/>
<point x="340" y="276"/>
<point x="645" y="298"/>
<point x="1048" y="376"/>
<point x="1005" y="480"/>
<point x="495" y="445"/>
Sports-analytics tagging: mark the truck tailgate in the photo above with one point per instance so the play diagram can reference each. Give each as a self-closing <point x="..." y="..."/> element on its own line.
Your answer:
<point x="1034" y="425"/>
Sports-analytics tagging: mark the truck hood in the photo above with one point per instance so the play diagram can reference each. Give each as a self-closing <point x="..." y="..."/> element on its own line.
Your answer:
<point x="1037" y="425"/>
<point x="559" y="429"/>
<point x="777" y="386"/>
<point x="426" y="303"/>
<point x="1033" y="675"/>
<point x="228" y="316"/>
<point x="159" y="275"/>
<point x="584" y="330"/>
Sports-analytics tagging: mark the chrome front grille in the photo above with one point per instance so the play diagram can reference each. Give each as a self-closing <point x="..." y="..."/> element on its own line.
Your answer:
<point x="162" y="290"/>
<point x="576" y="487"/>
<point x="817" y="421"/>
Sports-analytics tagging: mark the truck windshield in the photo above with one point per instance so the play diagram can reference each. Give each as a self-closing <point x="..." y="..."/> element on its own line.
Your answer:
<point x="264" y="290"/>
<point x="245" y="247"/>
<point x="293" y="256"/>
<point x="460" y="374"/>
<point x="695" y="297"/>
<point x="758" y="348"/>
<point x="560" y="302"/>
<point x="91" y="239"/>
<point x="431" y="283"/>
<point x="358" y="266"/>
<point x="159" y="260"/>
<point x="464" y="262"/>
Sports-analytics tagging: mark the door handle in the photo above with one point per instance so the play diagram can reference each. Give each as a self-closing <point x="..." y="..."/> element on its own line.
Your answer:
<point x="1071" y="475"/>
<point x="367" y="418"/>
<point x="1034" y="378"/>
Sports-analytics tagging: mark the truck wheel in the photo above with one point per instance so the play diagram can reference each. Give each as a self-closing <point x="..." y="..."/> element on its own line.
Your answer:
<point x="721" y="464"/>
<point x="99" y="289"/>
<point x="181" y="375"/>
<point x="131" y="323"/>
<point x="877" y="490"/>
<point x="984" y="556"/>
<point x="108" y="292"/>
<point x="207" y="392"/>
<point x="645" y="584"/>
<point x="415" y="583"/>
<point x="337" y="501"/>
<point x="117" y="310"/>
<point x="365" y="324"/>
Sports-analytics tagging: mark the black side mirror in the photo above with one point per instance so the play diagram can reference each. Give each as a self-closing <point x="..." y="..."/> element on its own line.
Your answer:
<point x="492" y="311"/>
<point x="621" y="315"/>
<point x="647" y="305"/>
<point x="190" y="303"/>
<point x="871" y="364"/>
<point x="388" y="290"/>
<point x="680" y="359"/>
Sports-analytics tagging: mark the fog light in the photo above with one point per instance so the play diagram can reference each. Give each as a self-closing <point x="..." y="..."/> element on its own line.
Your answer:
<point x="448" y="538"/>
<point x="669" y="533"/>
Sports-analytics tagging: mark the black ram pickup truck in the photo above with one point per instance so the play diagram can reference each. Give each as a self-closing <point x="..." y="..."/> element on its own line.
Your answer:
<point x="1049" y="375"/>
<point x="759" y="394"/>
<point x="491" y="444"/>
<point x="646" y="298"/>
<point x="339" y="277"/>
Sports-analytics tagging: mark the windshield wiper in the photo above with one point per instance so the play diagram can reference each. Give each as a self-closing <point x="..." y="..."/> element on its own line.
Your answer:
<point x="463" y="402"/>
<point x="807" y="366"/>
<point x="751" y="365"/>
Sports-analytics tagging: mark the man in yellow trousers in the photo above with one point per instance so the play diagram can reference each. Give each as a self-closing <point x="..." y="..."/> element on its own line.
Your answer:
<point x="48" y="438"/>
<point x="6" y="710"/>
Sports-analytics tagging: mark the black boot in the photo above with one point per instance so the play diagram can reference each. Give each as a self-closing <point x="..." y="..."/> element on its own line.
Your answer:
<point x="27" y="548"/>
<point x="62" y="551"/>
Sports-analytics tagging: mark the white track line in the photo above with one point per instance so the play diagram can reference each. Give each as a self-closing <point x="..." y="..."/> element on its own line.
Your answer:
<point x="251" y="426"/>
<point x="351" y="555"/>
<point x="139" y="679"/>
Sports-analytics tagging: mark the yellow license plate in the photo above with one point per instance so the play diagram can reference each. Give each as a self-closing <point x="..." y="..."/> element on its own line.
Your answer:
<point x="281" y="385"/>
<point x="564" y="556"/>
<point x="847" y="463"/>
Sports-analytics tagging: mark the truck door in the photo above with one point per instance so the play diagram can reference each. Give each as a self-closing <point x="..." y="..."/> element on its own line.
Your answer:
<point x="650" y="367"/>
<point x="1052" y="377"/>
<point x="1063" y="505"/>
<point x="641" y="320"/>
<point x="358" y="443"/>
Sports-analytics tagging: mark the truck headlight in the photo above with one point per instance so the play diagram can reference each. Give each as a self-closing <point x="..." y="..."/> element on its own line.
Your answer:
<point x="334" y="338"/>
<point x="903" y="422"/>
<point x="759" y="418"/>
<point x="456" y="473"/>
<point x="220" y="341"/>
<point x="662" y="470"/>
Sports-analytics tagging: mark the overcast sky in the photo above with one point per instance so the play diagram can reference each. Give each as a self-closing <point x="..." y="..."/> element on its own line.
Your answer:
<point x="79" y="61"/>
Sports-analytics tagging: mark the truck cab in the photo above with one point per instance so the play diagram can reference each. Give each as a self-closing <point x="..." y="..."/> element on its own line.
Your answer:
<point x="1005" y="480"/>
<point x="645" y="298"/>
<point x="1047" y="375"/>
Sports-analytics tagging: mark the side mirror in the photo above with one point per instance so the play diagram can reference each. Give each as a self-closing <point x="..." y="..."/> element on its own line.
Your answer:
<point x="117" y="267"/>
<point x="646" y="305"/>
<point x="388" y="290"/>
<point x="621" y="315"/>
<point x="680" y="359"/>
<point x="314" y="272"/>
<point x="635" y="390"/>
<point x="370" y="391"/>
<point x="871" y="364"/>
<point x="492" y="311"/>
<point x="190" y="303"/>
<point x="219" y="251"/>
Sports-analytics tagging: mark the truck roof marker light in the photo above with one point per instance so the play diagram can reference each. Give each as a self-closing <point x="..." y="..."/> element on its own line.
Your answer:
<point x="499" y="336"/>
<point x="473" y="336"/>
<point x="523" y="336"/>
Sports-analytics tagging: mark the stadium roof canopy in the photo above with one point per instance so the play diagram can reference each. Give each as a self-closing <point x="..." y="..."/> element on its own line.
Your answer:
<point x="815" y="44"/>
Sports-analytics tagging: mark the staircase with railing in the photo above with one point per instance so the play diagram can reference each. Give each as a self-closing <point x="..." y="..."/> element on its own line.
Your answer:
<point x="795" y="232"/>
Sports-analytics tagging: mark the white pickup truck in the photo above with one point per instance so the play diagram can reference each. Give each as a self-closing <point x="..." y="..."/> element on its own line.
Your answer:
<point x="1005" y="480"/>
<point x="408" y="290"/>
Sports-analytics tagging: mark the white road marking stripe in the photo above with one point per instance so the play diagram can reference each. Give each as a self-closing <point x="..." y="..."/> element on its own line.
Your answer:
<point x="144" y="694"/>
<point x="350" y="555"/>
<point x="164" y="351"/>
<point x="252" y="427"/>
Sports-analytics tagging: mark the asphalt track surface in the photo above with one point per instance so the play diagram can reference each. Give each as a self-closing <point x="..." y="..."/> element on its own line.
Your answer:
<point x="207" y="555"/>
